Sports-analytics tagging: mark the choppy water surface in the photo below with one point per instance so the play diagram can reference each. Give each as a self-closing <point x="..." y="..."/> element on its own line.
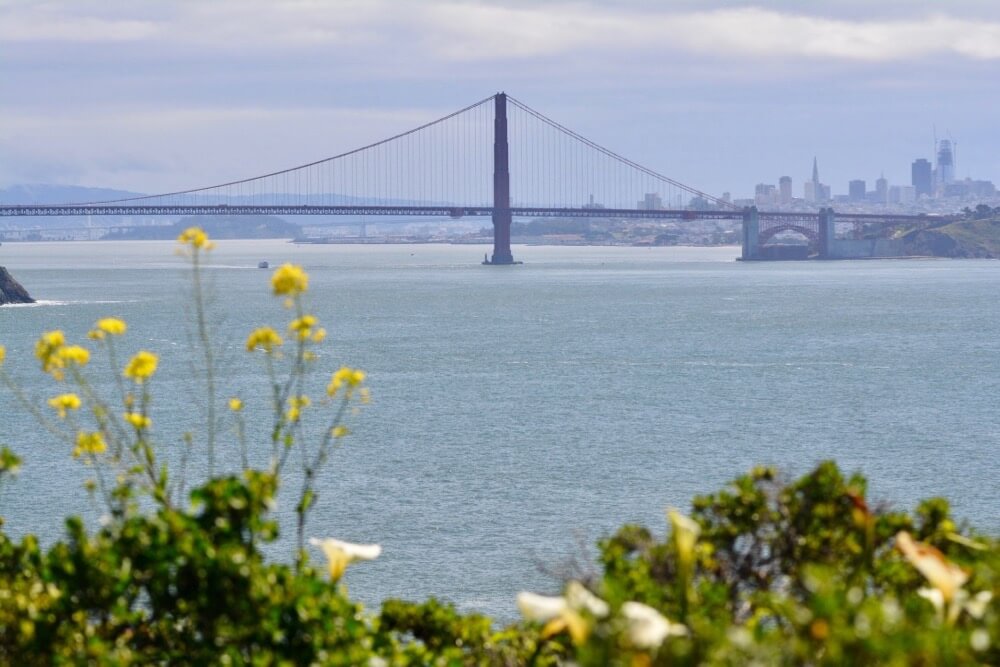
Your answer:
<point x="522" y="411"/>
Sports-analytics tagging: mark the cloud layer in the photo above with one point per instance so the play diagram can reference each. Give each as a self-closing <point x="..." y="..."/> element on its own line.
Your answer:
<point x="499" y="31"/>
<point x="95" y="87"/>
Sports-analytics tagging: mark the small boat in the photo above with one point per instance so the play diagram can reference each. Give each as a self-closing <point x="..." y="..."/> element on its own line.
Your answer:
<point x="262" y="265"/>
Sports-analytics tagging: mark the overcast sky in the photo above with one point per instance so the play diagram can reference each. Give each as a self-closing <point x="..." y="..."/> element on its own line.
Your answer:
<point x="154" y="95"/>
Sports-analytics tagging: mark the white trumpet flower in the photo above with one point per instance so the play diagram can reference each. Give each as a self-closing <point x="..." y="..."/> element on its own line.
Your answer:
<point x="647" y="628"/>
<point x="341" y="554"/>
<point x="540" y="608"/>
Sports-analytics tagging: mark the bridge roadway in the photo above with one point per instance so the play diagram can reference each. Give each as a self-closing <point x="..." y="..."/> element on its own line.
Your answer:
<point x="456" y="212"/>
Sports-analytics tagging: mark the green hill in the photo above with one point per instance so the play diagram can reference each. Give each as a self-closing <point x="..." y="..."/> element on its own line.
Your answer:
<point x="967" y="238"/>
<point x="218" y="227"/>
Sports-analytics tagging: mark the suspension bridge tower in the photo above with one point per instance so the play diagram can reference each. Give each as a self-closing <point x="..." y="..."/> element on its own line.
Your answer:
<point x="501" y="185"/>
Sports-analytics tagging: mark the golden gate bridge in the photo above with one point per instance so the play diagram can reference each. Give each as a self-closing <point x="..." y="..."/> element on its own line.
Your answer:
<point x="496" y="158"/>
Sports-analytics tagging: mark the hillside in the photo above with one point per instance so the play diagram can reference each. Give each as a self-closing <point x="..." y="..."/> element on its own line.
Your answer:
<point x="218" y="227"/>
<point x="967" y="238"/>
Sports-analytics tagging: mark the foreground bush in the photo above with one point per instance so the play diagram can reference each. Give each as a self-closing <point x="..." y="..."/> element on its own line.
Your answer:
<point x="765" y="571"/>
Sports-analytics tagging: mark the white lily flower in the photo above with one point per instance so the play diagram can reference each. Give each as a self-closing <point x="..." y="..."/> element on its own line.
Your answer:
<point x="578" y="597"/>
<point x="685" y="532"/>
<point x="648" y="628"/>
<point x="976" y="605"/>
<point x="935" y="597"/>
<point x="942" y="574"/>
<point x="341" y="554"/>
<point x="540" y="608"/>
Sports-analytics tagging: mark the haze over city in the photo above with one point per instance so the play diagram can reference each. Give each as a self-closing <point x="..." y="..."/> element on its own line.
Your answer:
<point x="159" y="95"/>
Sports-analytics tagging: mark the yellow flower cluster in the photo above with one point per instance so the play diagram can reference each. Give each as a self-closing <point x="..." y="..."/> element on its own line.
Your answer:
<point x="339" y="431"/>
<point x="137" y="420"/>
<point x="55" y="355"/>
<point x="303" y="328"/>
<point x="235" y="404"/>
<point x="64" y="402"/>
<point x="196" y="238"/>
<point x="264" y="338"/>
<point x="345" y="377"/>
<point x="295" y="405"/>
<point x="89" y="443"/>
<point x="141" y="367"/>
<point x="289" y="280"/>
<point x="109" y="326"/>
<point x="3" y="353"/>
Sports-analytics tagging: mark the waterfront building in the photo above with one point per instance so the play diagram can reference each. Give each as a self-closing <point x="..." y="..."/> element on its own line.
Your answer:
<point x="651" y="201"/>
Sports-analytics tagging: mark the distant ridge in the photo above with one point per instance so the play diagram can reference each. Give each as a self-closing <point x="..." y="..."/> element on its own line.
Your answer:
<point x="47" y="193"/>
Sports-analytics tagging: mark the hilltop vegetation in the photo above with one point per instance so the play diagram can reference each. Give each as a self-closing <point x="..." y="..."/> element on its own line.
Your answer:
<point x="978" y="235"/>
<point x="217" y="226"/>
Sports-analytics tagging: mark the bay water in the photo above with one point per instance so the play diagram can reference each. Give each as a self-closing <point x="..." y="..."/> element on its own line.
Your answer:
<point x="520" y="413"/>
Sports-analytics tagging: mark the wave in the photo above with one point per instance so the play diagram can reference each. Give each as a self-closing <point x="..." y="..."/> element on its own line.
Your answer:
<point x="45" y="302"/>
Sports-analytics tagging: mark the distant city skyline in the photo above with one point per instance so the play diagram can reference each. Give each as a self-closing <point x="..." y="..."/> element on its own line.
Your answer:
<point x="161" y="95"/>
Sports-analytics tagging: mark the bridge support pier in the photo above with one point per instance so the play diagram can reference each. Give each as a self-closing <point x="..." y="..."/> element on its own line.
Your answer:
<point x="501" y="185"/>
<point x="827" y="230"/>
<point x="751" y="234"/>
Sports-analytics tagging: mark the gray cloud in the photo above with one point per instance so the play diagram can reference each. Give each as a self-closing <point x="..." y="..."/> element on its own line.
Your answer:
<point x="721" y="94"/>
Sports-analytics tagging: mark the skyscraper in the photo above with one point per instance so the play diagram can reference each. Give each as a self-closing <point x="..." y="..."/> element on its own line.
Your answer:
<point x="785" y="188"/>
<point x="920" y="177"/>
<point x="882" y="190"/>
<point x="814" y="190"/>
<point x="856" y="190"/>
<point x="945" y="163"/>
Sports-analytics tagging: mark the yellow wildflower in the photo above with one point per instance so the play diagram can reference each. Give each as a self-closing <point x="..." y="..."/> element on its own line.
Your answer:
<point x="64" y="402"/>
<point x="89" y="443"/>
<point x="295" y="405"/>
<point x="108" y="326"/>
<point x="264" y="338"/>
<point x="319" y="335"/>
<point x="74" y="354"/>
<point x="351" y="377"/>
<point x="289" y="280"/>
<point x="46" y="348"/>
<point x="196" y="238"/>
<point x="142" y="366"/>
<point x="235" y="404"/>
<point x="339" y="431"/>
<point x="3" y="353"/>
<point x="138" y="420"/>
<point x="302" y="326"/>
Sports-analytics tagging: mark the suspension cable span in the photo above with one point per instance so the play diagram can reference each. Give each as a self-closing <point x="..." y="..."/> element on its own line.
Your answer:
<point x="545" y="119"/>
<point x="296" y="168"/>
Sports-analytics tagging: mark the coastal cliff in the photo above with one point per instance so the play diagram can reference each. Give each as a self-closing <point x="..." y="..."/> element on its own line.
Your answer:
<point x="11" y="291"/>
<point x="968" y="239"/>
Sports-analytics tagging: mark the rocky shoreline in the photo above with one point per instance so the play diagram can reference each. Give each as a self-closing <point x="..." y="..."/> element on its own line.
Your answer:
<point x="12" y="291"/>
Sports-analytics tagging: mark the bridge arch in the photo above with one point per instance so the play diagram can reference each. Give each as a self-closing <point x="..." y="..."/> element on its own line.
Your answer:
<point x="809" y="232"/>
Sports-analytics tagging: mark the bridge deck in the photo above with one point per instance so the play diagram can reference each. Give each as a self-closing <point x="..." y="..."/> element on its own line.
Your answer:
<point x="65" y="210"/>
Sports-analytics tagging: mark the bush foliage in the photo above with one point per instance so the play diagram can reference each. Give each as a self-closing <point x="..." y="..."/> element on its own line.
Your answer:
<point x="765" y="571"/>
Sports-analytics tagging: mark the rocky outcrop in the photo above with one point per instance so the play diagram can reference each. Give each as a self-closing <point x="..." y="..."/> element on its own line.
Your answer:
<point x="11" y="291"/>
